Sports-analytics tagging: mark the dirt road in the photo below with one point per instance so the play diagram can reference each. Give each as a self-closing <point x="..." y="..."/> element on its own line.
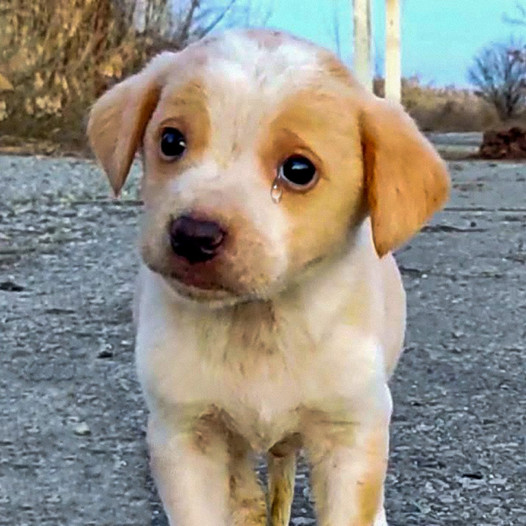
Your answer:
<point x="71" y="416"/>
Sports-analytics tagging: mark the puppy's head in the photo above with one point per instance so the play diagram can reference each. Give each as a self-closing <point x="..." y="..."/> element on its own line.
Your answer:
<point x="223" y="121"/>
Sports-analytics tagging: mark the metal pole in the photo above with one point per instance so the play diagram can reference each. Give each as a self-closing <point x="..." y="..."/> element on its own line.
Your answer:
<point x="362" y="42"/>
<point x="393" y="74"/>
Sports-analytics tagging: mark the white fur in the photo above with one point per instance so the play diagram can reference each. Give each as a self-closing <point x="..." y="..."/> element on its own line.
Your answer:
<point x="244" y="59"/>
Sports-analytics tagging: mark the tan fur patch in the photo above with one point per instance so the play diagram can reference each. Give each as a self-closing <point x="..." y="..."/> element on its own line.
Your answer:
<point x="281" y="470"/>
<point x="185" y="108"/>
<point x="370" y="486"/>
<point x="337" y="70"/>
<point x="406" y="181"/>
<point x="320" y="123"/>
<point x="247" y="500"/>
<point x="117" y="110"/>
<point x="118" y="119"/>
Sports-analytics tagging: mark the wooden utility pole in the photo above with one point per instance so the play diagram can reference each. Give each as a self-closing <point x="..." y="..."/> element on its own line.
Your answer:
<point x="393" y="74"/>
<point x="362" y="42"/>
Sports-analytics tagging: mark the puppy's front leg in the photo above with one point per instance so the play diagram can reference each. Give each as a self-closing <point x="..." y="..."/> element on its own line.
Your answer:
<point x="191" y="473"/>
<point x="349" y="462"/>
<point x="247" y="500"/>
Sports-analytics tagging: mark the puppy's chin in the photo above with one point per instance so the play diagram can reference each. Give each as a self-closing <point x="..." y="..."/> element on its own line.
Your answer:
<point x="211" y="295"/>
<point x="212" y="298"/>
<point x="217" y="298"/>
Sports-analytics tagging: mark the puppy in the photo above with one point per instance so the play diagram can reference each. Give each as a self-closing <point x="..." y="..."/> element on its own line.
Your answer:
<point x="270" y="312"/>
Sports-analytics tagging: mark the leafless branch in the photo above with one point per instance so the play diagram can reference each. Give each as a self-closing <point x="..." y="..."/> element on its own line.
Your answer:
<point x="184" y="30"/>
<point x="499" y="73"/>
<point x="218" y="19"/>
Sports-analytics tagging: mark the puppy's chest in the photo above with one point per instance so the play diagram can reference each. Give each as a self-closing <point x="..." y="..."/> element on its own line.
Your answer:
<point x="262" y="353"/>
<point x="260" y="365"/>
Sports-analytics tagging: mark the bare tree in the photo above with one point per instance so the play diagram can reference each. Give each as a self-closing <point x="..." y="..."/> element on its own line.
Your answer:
<point x="499" y="73"/>
<point x="249" y="13"/>
<point x="179" y="22"/>
<point x="185" y="21"/>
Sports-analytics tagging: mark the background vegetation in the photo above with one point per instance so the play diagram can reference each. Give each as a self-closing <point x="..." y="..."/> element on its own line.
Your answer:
<point x="58" y="56"/>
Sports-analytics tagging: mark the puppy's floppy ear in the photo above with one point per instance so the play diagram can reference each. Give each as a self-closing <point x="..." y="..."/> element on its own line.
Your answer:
<point x="118" y="119"/>
<point x="405" y="179"/>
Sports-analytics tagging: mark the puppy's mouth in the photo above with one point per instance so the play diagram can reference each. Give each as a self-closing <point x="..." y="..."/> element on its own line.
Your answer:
<point x="194" y="285"/>
<point x="195" y="281"/>
<point x="204" y="285"/>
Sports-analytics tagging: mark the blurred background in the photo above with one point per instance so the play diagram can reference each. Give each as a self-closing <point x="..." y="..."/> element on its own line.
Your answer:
<point x="463" y="63"/>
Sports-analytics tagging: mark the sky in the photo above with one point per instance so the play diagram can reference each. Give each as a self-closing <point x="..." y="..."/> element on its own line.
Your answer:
<point x="439" y="37"/>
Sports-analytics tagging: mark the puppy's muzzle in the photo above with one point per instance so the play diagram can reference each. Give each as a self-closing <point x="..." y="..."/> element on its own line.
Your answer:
<point x="195" y="240"/>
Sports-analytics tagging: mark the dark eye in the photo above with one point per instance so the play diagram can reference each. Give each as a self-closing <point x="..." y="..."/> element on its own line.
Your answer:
<point x="173" y="143"/>
<point x="298" y="171"/>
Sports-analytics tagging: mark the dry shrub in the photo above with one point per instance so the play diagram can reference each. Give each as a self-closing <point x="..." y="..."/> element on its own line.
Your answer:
<point x="444" y="109"/>
<point x="60" y="55"/>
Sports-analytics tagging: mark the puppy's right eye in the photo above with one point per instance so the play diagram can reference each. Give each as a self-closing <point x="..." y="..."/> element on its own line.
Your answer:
<point x="173" y="143"/>
<point x="298" y="172"/>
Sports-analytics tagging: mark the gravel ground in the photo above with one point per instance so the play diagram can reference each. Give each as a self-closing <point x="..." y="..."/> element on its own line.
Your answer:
<point x="72" y="418"/>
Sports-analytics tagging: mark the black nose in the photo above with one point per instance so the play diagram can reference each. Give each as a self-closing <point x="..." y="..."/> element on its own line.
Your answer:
<point x="195" y="240"/>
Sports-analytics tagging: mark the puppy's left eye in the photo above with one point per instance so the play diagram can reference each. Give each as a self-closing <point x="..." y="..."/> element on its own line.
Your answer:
<point x="298" y="172"/>
<point x="173" y="143"/>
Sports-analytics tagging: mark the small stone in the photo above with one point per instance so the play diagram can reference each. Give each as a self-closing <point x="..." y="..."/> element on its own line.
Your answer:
<point x="82" y="429"/>
<point x="105" y="353"/>
<point x="11" y="286"/>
